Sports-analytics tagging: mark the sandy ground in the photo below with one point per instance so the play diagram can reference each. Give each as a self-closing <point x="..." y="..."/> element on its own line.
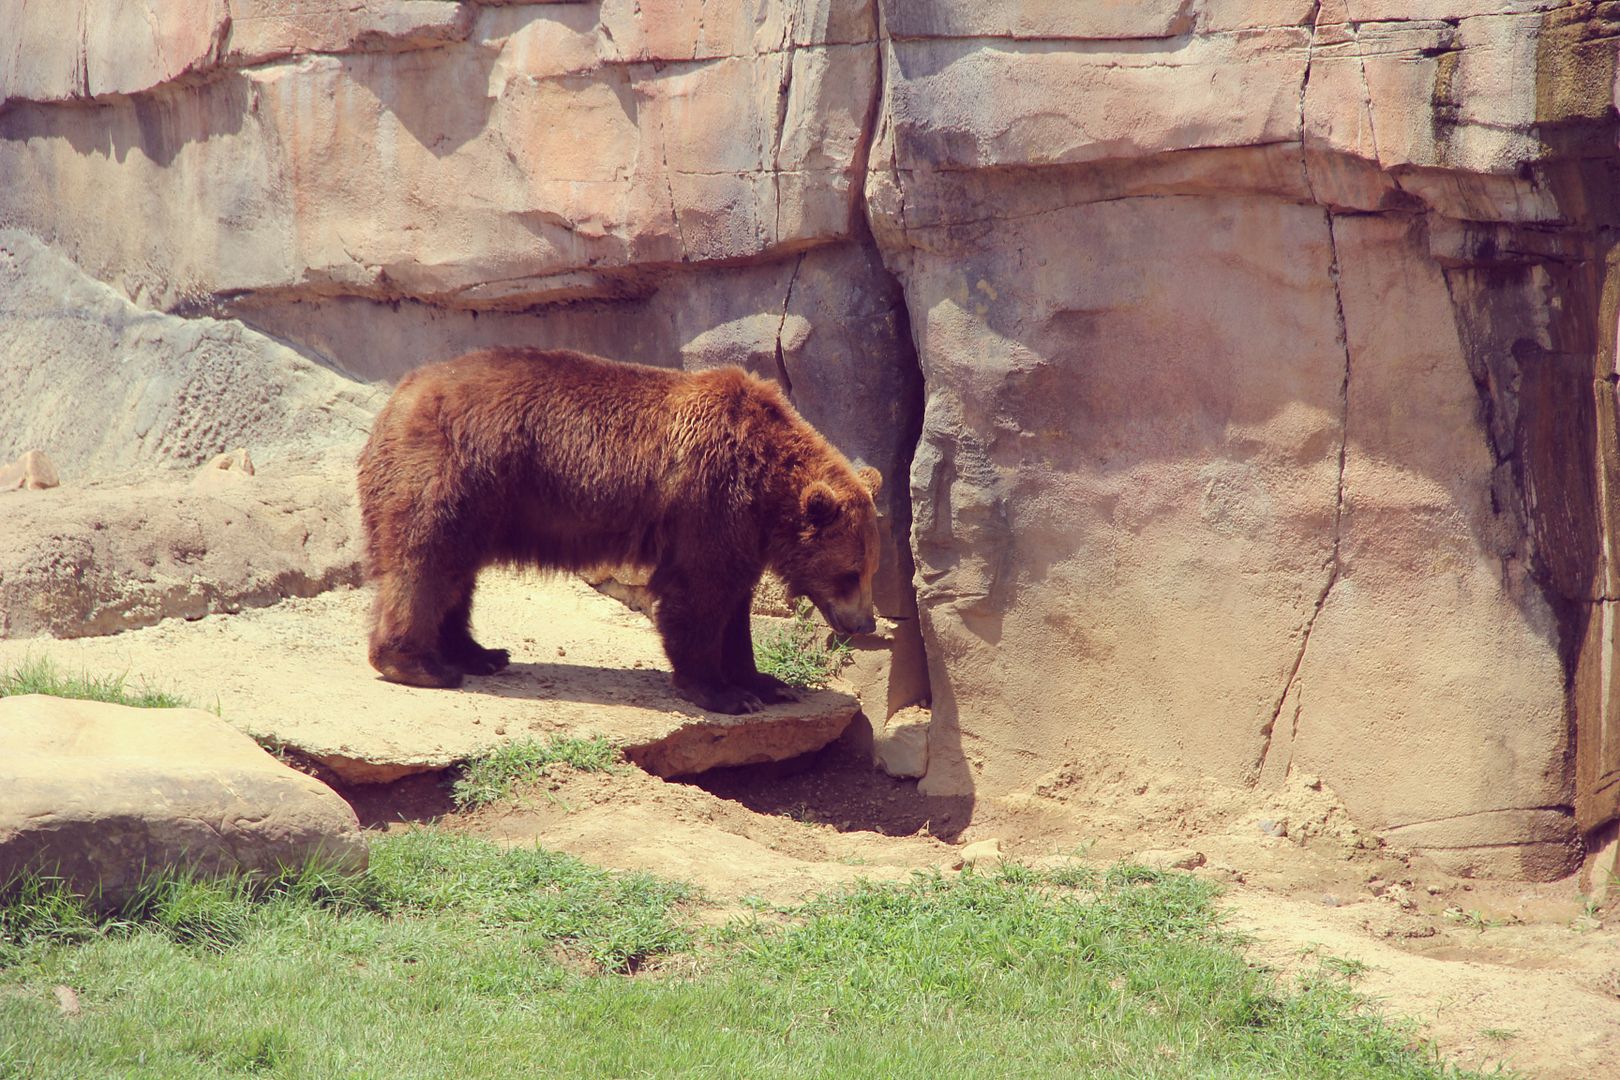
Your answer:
<point x="1493" y="972"/>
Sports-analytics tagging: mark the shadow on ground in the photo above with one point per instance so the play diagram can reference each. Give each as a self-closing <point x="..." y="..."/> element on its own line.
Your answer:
<point x="838" y="786"/>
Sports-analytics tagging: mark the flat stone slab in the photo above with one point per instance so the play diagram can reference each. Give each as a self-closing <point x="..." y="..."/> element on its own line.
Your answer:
<point x="103" y="795"/>
<point x="581" y="664"/>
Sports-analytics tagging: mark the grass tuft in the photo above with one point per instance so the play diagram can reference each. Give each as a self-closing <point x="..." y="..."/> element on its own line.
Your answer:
<point x="40" y="675"/>
<point x="493" y="776"/>
<point x="799" y="653"/>
<point x="618" y="921"/>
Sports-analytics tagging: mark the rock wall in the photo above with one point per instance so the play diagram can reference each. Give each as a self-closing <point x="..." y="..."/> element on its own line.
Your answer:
<point x="1252" y="361"/>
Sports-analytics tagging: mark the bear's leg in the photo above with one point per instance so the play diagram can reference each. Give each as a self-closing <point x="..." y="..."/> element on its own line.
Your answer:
<point x="456" y="642"/>
<point x="409" y="611"/>
<point x="737" y="649"/>
<point x="692" y="620"/>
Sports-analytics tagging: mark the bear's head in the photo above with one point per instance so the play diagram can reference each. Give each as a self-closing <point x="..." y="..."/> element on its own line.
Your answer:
<point x="837" y="550"/>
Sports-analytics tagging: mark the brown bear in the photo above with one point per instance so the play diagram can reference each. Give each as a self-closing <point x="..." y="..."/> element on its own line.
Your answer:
<point x="562" y="461"/>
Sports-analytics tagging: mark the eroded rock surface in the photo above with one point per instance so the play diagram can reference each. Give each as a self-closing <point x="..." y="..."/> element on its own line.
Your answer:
<point x="106" y="795"/>
<point x="99" y="560"/>
<point x="107" y="387"/>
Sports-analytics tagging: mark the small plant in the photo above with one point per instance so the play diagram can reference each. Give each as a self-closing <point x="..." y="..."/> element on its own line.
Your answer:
<point x="805" y="814"/>
<point x="274" y="746"/>
<point x="39" y="675"/>
<point x="1500" y="1034"/>
<point x="799" y="653"/>
<point x="1474" y="919"/>
<point x="40" y="909"/>
<point x="1344" y="965"/>
<point x="493" y="776"/>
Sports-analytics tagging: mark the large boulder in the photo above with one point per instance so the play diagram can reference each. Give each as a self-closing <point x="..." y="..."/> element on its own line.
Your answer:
<point x="106" y="795"/>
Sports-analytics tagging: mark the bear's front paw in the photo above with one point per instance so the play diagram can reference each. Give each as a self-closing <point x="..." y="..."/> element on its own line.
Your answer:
<point x="772" y="690"/>
<point x="734" y="700"/>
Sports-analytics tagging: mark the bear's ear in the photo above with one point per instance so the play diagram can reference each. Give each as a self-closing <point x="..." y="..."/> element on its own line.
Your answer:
<point x="819" y="504"/>
<point x="870" y="479"/>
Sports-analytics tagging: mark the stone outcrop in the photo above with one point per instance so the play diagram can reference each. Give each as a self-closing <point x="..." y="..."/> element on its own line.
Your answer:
<point x="1252" y="361"/>
<point x="1266" y="369"/>
<point x="106" y="795"/>
<point x="99" y="560"/>
<point x="582" y="664"/>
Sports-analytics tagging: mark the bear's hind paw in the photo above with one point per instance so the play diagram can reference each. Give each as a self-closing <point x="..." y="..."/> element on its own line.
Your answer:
<point x="434" y="676"/>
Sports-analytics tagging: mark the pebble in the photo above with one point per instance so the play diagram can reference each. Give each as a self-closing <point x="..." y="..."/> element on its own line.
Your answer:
<point x="982" y="854"/>
<point x="1170" y="859"/>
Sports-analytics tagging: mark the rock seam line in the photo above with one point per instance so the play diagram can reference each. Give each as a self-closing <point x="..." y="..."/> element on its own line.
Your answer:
<point x="1269" y="730"/>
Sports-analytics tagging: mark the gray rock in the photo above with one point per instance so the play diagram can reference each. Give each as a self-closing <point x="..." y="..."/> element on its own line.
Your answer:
<point x="105" y="794"/>
<point x="106" y="387"/>
<point x="901" y="748"/>
<point x="1170" y="859"/>
<point x="109" y="559"/>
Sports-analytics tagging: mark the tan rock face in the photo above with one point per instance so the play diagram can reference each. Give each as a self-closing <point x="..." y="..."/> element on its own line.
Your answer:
<point x="105" y="794"/>
<point x="1251" y="360"/>
<point x="555" y="154"/>
<point x="1216" y="469"/>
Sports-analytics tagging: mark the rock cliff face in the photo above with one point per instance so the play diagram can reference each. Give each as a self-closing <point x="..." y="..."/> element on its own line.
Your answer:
<point x="1252" y="361"/>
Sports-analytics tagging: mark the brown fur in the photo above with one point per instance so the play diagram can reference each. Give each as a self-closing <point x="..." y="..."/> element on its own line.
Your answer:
<point x="558" y="460"/>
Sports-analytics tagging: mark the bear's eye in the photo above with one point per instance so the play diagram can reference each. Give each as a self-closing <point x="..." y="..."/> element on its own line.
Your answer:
<point x="847" y="583"/>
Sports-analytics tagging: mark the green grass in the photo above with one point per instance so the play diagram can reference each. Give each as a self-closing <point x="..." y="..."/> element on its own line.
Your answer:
<point x="493" y="776"/>
<point x="39" y="675"/>
<point x="798" y="653"/>
<point x="453" y="958"/>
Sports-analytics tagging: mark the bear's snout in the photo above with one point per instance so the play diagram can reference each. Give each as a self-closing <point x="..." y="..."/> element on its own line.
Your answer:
<point x="851" y="622"/>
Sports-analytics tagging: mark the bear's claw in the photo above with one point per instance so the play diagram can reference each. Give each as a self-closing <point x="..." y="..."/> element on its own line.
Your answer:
<point x="484" y="661"/>
<point x="733" y="700"/>
<point x="772" y="691"/>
